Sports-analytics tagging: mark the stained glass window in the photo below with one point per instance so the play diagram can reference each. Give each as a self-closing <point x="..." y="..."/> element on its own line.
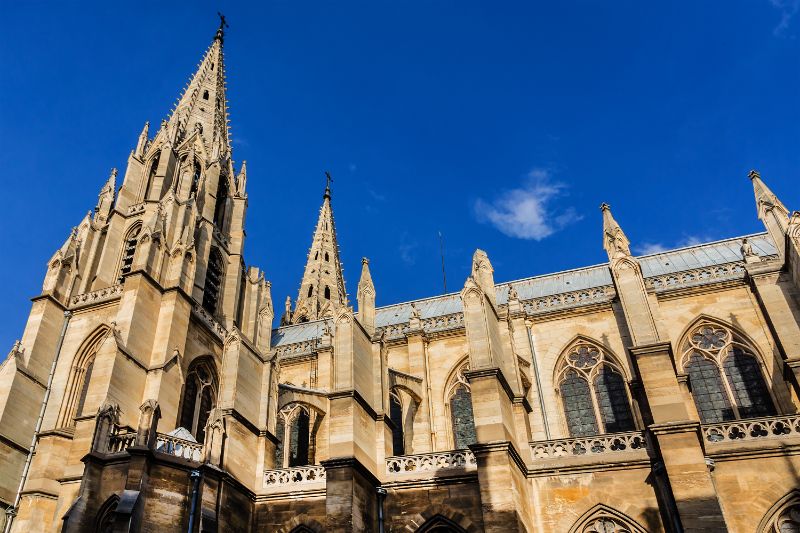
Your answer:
<point x="612" y="400"/>
<point x="298" y="439"/>
<point x="462" y="418"/>
<point x="748" y="387"/>
<point x="707" y="390"/>
<point x="396" y="416"/>
<point x="578" y="408"/>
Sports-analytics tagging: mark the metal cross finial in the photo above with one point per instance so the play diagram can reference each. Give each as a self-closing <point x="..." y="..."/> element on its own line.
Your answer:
<point x="604" y="206"/>
<point x="222" y="22"/>
<point x="328" y="180"/>
<point x="753" y="174"/>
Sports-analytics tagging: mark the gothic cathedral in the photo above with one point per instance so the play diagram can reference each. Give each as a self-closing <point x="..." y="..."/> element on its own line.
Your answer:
<point x="150" y="391"/>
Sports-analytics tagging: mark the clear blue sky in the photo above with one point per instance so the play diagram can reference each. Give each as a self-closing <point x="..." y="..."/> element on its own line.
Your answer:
<point x="504" y="125"/>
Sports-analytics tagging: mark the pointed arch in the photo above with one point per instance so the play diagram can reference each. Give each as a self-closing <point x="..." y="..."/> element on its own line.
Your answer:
<point x="221" y="201"/>
<point x="302" y="523"/>
<point x="152" y="169"/>
<point x="396" y="416"/>
<point x="591" y="383"/>
<point x="440" y="524"/>
<point x="129" y="244"/>
<point x="296" y="429"/>
<point x="458" y="404"/>
<point x="104" y="521"/>
<point x="784" y="515"/>
<point x="727" y="376"/>
<point x="437" y="518"/>
<point x="200" y="389"/>
<point x="80" y="376"/>
<point x="604" y="519"/>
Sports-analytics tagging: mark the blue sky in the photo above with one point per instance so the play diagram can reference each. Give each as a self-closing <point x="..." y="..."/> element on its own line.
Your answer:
<point x="502" y="124"/>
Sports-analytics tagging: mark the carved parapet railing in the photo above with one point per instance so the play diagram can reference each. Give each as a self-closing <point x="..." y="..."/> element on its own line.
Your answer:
<point x="568" y="299"/>
<point x="773" y="427"/>
<point x="209" y="321"/>
<point x="697" y="276"/>
<point x="185" y="449"/>
<point x="297" y="348"/>
<point x="135" y="209"/>
<point x="120" y="441"/>
<point x="100" y="295"/>
<point x="456" y="461"/>
<point x="443" y="323"/>
<point x="583" y="446"/>
<point x="295" y="478"/>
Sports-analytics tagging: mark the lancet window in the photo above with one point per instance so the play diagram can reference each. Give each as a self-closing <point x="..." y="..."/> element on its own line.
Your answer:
<point x="296" y="432"/>
<point x="129" y="249"/>
<point x="221" y="202"/>
<point x="77" y="389"/>
<point x="199" y="396"/>
<point x="784" y="516"/>
<point x="725" y="375"/>
<point x="593" y="391"/>
<point x="213" y="281"/>
<point x="195" y="179"/>
<point x="151" y="174"/>
<point x="396" y="416"/>
<point x="459" y="402"/>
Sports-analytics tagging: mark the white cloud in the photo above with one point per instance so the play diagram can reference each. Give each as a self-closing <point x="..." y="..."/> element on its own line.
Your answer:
<point x="658" y="247"/>
<point x="788" y="9"/>
<point x="527" y="211"/>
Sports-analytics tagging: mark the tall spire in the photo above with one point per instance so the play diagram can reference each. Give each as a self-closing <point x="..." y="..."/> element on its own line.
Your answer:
<point x="615" y="241"/>
<point x="322" y="291"/>
<point x="203" y="107"/>
<point x="771" y="211"/>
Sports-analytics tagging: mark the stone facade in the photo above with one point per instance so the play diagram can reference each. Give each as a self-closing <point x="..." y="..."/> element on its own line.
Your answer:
<point x="653" y="393"/>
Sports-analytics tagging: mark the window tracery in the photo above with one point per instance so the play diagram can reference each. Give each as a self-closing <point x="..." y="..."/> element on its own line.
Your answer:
<point x="213" y="281"/>
<point x="593" y="391"/>
<point x="80" y="378"/>
<point x="784" y="516"/>
<point x="725" y="375"/>
<point x="199" y="396"/>
<point x="296" y="429"/>
<point x="458" y="398"/>
<point x="130" y="242"/>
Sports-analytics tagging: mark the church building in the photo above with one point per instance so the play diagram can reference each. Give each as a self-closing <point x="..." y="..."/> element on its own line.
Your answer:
<point x="150" y="391"/>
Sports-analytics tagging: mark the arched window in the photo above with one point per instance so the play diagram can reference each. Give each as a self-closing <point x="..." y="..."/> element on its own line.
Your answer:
<point x="296" y="429"/>
<point x="326" y="257"/>
<point x="316" y="255"/>
<point x="593" y="391"/>
<point x="213" y="281"/>
<point x="604" y="519"/>
<point x="310" y="290"/>
<point x="129" y="249"/>
<point x="205" y="95"/>
<point x="725" y="375"/>
<point x="221" y="202"/>
<point x="151" y="174"/>
<point x="199" y="396"/>
<point x="459" y="403"/>
<point x="104" y="523"/>
<point x="195" y="178"/>
<point x="327" y="293"/>
<point x="396" y="416"/>
<point x="783" y="516"/>
<point x="80" y="378"/>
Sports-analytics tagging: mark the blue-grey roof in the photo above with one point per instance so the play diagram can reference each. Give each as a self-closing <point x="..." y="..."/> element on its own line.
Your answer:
<point x="658" y="264"/>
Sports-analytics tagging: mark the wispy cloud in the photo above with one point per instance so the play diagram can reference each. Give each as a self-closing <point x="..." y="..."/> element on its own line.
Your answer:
<point x="527" y="212"/>
<point x="658" y="247"/>
<point x="407" y="250"/>
<point x="788" y="9"/>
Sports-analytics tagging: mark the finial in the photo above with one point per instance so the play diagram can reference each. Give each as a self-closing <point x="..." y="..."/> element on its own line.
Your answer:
<point x="328" y="180"/>
<point x="604" y="207"/>
<point x="113" y="172"/>
<point x="364" y="261"/>
<point x="753" y="174"/>
<point x="222" y="25"/>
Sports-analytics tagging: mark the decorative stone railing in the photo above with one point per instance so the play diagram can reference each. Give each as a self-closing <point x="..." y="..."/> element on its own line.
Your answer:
<point x="292" y="478"/>
<point x="119" y="442"/>
<point x="135" y="209"/>
<point x="209" y="321"/>
<point x="297" y="348"/>
<point x="100" y="295"/>
<point x="431" y="462"/>
<point x="185" y="449"/>
<point x="568" y="299"/>
<point x="429" y="325"/>
<point x="752" y="429"/>
<point x="696" y="276"/>
<point x="582" y="446"/>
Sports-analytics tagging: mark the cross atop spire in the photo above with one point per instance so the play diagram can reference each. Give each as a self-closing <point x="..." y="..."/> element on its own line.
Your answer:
<point x="322" y="291"/>
<point x="222" y="25"/>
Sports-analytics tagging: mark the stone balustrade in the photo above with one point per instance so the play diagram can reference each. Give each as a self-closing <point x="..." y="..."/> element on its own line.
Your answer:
<point x="100" y="295"/>
<point x="135" y="209"/>
<point x="209" y="321"/>
<point x="177" y="447"/>
<point x="431" y="462"/>
<point x="297" y="348"/>
<point x="121" y="441"/>
<point x="568" y="299"/>
<point x="698" y="276"/>
<point x="583" y="446"/>
<point x="294" y="478"/>
<point x="752" y="429"/>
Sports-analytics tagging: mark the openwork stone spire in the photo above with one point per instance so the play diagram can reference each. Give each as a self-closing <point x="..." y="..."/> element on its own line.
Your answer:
<point x="322" y="291"/>
<point x="203" y="107"/>
<point x="615" y="242"/>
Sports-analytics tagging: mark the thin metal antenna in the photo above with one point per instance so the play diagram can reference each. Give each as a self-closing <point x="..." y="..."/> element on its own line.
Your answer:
<point x="441" y="251"/>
